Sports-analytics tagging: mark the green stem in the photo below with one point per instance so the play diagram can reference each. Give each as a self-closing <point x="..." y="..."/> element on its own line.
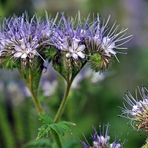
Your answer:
<point x="63" y="102"/>
<point x="34" y="98"/>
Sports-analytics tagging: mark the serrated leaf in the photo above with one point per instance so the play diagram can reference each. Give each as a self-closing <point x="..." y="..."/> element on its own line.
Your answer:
<point x="62" y="127"/>
<point x="59" y="128"/>
<point x="45" y="119"/>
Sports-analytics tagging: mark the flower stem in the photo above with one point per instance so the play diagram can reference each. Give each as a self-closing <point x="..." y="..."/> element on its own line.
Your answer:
<point x="63" y="102"/>
<point x="36" y="102"/>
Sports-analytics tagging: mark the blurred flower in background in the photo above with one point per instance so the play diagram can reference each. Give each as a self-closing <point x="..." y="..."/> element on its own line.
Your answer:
<point x="101" y="140"/>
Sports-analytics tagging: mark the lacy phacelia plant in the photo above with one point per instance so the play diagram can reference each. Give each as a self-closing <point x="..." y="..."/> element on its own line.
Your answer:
<point x="137" y="109"/>
<point x="69" y="43"/>
<point x="101" y="140"/>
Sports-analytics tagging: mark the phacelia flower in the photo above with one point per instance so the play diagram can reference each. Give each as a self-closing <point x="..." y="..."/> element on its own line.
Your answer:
<point x="137" y="109"/>
<point x="101" y="140"/>
<point x="23" y="38"/>
<point x="106" y="40"/>
<point x="68" y="38"/>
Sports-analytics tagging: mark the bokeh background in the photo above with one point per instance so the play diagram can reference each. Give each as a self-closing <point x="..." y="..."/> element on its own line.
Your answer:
<point x="95" y="98"/>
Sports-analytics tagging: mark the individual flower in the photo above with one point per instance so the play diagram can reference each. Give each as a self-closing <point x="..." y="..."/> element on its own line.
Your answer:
<point x="137" y="108"/>
<point x="101" y="140"/>
<point x="105" y="41"/>
<point x="23" y="38"/>
<point x="68" y="38"/>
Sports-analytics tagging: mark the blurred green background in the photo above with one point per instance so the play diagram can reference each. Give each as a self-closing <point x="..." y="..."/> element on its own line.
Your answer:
<point x="94" y="101"/>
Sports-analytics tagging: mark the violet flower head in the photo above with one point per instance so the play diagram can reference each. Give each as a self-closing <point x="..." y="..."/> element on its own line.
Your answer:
<point x="106" y="40"/>
<point x="137" y="109"/>
<point x="101" y="140"/>
<point x="68" y="38"/>
<point x="23" y="38"/>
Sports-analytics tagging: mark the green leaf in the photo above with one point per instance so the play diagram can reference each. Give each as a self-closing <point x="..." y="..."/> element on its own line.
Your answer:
<point x="45" y="119"/>
<point x="42" y="143"/>
<point x="48" y="127"/>
<point x="62" y="127"/>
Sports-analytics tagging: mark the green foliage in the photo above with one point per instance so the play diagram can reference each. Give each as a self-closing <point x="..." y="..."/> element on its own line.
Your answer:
<point x="48" y="126"/>
<point x="42" y="143"/>
<point x="67" y="67"/>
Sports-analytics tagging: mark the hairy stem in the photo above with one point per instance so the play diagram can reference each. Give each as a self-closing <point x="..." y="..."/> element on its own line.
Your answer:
<point x="63" y="102"/>
<point x="34" y="98"/>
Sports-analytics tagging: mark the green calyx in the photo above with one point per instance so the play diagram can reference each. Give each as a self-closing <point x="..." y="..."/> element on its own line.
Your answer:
<point x="95" y="61"/>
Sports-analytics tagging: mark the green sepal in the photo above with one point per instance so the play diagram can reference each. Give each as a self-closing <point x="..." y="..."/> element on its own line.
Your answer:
<point x="50" y="53"/>
<point x="8" y="63"/>
<point x="68" y="68"/>
<point x="95" y="62"/>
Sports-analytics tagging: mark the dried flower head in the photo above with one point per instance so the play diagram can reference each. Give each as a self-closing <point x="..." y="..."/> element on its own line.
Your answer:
<point x="137" y="109"/>
<point x="101" y="140"/>
<point x="105" y="41"/>
<point x="23" y="38"/>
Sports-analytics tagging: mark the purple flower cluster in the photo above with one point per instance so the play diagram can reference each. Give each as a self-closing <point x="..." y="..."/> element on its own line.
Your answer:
<point x="101" y="140"/>
<point x="23" y="38"/>
<point x="80" y="39"/>
<point x="69" y="38"/>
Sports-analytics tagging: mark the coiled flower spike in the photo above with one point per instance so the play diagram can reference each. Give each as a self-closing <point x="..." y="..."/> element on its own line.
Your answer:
<point x="103" y="42"/>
